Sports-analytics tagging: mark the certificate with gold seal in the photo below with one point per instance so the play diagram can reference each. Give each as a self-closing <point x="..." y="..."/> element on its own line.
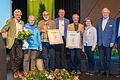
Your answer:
<point x="54" y="36"/>
<point x="73" y="39"/>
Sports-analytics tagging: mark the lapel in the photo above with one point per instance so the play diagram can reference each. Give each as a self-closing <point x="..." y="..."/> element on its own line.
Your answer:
<point x="57" y="23"/>
<point x="100" y="24"/>
<point x="72" y="26"/>
<point x="107" y="24"/>
<point x="13" y="29"/>
<point x="65" y="22"/>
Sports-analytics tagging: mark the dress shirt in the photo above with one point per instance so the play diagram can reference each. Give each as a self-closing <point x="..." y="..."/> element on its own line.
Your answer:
<point x="104" y="22"/>
<point x="18" y="27"/>
<point x="61" y="27"/>
<point x="119" y="30"/>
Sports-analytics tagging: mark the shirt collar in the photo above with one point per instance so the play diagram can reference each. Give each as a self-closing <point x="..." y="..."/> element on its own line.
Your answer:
<point x="17" y="21"/>
<point x="106" y="18"/>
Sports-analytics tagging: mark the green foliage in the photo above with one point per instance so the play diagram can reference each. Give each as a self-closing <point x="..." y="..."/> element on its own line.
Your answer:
<point x="36" y="7"/>
<point x="114" y="52"/>
<point x="58" y="74"/>
<point x="40" y="11"/>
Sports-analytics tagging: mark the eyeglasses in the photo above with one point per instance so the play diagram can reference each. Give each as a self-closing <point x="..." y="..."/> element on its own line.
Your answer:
<point x="45" y="14"/>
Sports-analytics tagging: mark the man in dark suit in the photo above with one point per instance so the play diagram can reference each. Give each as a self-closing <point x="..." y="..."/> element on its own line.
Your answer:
<point x="61" y="23"/>
<point x="118" y="35"/>
<point x="106" y="33"/>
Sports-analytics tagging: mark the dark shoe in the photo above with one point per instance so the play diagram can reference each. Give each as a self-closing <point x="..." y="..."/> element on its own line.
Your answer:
<point x="91" y="73"/>
<point x="78" y="72"/>
<point x="87" y="73"/>
<point x="104" y="73"/>
<point x="73" y="72"/>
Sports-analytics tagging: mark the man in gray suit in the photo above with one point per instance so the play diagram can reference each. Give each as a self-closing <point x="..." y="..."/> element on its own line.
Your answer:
<point x="106" y="33"/>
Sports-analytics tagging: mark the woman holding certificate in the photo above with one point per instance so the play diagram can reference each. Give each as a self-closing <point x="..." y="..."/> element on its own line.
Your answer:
<point x="89" y="43"/>
<point x="75" y="30"/>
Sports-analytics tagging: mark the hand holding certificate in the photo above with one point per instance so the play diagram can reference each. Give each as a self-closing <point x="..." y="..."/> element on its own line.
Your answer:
<point x="54" y="36"/>
<point x="73" y="39"/>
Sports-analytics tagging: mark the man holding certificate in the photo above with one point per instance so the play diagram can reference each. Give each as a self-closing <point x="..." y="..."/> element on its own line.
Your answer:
<point x="61" y="23"/>
<point x="74" y="31"/>
<point x="48" y="52"/>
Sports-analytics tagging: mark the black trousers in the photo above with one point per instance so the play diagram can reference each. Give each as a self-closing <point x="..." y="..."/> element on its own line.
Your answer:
<point x="105" y="58"/>
<point x="60" y="56"/>
<point x="16" y="55"/>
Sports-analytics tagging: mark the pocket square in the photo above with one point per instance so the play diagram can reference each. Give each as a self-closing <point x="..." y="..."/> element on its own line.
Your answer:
<point x="110" y="25"/>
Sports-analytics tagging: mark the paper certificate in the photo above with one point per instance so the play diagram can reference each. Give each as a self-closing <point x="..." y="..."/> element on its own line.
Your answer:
<point x="55" y="37"/>
<point x="73" y="39"/>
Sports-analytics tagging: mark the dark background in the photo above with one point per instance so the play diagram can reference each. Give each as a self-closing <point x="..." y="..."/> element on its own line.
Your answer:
<point x="70" y="6"/>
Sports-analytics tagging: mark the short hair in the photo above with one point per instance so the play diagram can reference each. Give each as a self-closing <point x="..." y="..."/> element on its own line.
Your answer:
<point x="61" y="9"/>
<point x="45" y="12"/>
<point x="31" y="17"/>
<point x="18" y="11"/>
<point x="75" y="15"/>
<point x="87" y="18"/>
<point x="106" y="10"/>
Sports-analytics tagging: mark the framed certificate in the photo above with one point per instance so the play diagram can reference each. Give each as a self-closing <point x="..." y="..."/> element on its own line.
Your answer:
<point x="73" y="39"/>
<point x="54" y="36"/>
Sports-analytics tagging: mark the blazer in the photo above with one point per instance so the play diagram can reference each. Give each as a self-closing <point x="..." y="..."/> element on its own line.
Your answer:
<point x="80" y="28"/>
<point x="66" y="22"/>
<point x="117" y="28"/>
<point x="42" y="26"/>
<point x="108" y="35"/>
<point x="90" y="36"/>
<point x="10" y="28"/>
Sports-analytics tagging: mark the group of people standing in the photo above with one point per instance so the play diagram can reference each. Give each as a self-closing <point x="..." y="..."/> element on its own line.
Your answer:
<point x="105" y="35"/>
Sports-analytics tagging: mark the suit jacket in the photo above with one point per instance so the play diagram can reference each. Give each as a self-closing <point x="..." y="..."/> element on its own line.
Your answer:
<point x="80" y="28"/>
<point x="108" y="35"/>
<point x="42" y="26"/>
<point x="66" y="22"/>
<point x="10" y="28"/>
<point x="117" y="28"/>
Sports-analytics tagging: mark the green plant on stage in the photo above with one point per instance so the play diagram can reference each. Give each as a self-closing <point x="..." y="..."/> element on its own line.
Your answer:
<point x="114" y="52"/>
<point x="58" y="74"/>
<point x="40" y="11"/>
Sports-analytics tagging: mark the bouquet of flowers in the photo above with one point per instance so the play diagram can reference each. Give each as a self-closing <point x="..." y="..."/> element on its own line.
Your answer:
<point x="58" y="74"/>
<point x="24" y="35"/>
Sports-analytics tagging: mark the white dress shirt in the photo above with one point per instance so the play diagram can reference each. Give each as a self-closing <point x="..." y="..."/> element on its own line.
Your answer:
<point x="61" y="27"/>
<point x="104" y="22"/>
<point x="18" y="27"/>
<point x="119" y="30"/>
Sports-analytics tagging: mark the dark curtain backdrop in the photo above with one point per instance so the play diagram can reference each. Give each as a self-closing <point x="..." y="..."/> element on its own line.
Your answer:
<point x="70" y="6"/>
<point x="20" y="4"/>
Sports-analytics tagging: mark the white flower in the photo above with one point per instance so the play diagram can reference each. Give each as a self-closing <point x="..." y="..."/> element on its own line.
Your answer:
<point x="25" y="44"/>
<point x="49" y="77"/>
